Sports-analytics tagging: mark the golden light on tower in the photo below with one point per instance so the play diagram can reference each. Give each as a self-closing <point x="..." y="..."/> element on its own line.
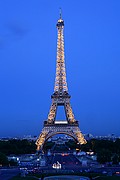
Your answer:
<point x="60" y="97"/>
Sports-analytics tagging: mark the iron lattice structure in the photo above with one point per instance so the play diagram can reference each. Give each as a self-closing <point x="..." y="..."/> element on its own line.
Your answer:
<point x="60" y="97"/>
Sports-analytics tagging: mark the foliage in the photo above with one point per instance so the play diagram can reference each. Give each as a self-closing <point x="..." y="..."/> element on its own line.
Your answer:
<point x="71" y="144"/>
<point x="17" y="147"/>
<point x="115" y="159"/>
<point x="104" y="155"/>
<point x="3" y="159"/>
<point x="12" y="163"/>
<point x="106" y="150"/>
<point x="48" y="145"/>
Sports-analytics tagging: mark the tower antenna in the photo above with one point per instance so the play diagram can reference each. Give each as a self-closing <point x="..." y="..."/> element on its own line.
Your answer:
<point x="60" y="13"/>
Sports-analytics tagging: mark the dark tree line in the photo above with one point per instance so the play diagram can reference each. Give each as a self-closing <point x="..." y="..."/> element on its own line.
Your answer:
<point x="106" y="150"/>
<point x="96" y="145"/>
<point x="17" y="147"/>
<point x="3" y="159"/>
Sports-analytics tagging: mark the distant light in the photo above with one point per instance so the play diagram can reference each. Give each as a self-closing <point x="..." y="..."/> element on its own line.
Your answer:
<point x="90" y="153"/>
<point x="56" y="165"/>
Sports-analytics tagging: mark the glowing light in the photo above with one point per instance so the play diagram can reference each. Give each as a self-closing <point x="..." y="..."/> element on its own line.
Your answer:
<point x="56" y="165"/>
<point x="60" y="97"/>
<point x="61" y="122"/>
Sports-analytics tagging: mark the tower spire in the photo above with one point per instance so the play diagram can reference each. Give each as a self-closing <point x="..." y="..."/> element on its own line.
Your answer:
<point x="60" y="13"/>
<point x="60" y="79"/>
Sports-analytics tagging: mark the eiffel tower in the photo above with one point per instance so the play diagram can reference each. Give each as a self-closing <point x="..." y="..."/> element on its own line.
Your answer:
<point x="60" y="97"/>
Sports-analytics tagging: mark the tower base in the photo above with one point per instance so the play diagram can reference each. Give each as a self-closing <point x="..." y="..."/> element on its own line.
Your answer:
<point x="50" y="130"/>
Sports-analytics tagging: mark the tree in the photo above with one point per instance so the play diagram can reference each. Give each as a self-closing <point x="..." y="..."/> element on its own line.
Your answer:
<point x="115" y="159"/>
<point x="13" y="163"/>
<point x="14" y="146"/>
<point x="103" y="156"/>
<point x="3" y="159"/>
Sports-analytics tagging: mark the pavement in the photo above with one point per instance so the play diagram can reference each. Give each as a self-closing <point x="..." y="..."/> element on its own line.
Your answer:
<point x="8" y="173"/>
<point x="66" y="178"/>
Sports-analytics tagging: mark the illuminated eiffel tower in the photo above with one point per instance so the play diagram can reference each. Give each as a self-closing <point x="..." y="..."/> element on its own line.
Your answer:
<point x="60" y="97"/>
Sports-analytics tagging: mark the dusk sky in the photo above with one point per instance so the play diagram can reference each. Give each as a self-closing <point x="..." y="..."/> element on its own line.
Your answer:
<point x="28" y="43"/>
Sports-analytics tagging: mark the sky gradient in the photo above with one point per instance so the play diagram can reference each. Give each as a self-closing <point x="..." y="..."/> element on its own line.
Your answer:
<point x="28" y="43"/>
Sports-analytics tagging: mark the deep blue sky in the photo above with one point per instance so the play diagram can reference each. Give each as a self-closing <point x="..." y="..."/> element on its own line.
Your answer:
<point x="28" y="38"/>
